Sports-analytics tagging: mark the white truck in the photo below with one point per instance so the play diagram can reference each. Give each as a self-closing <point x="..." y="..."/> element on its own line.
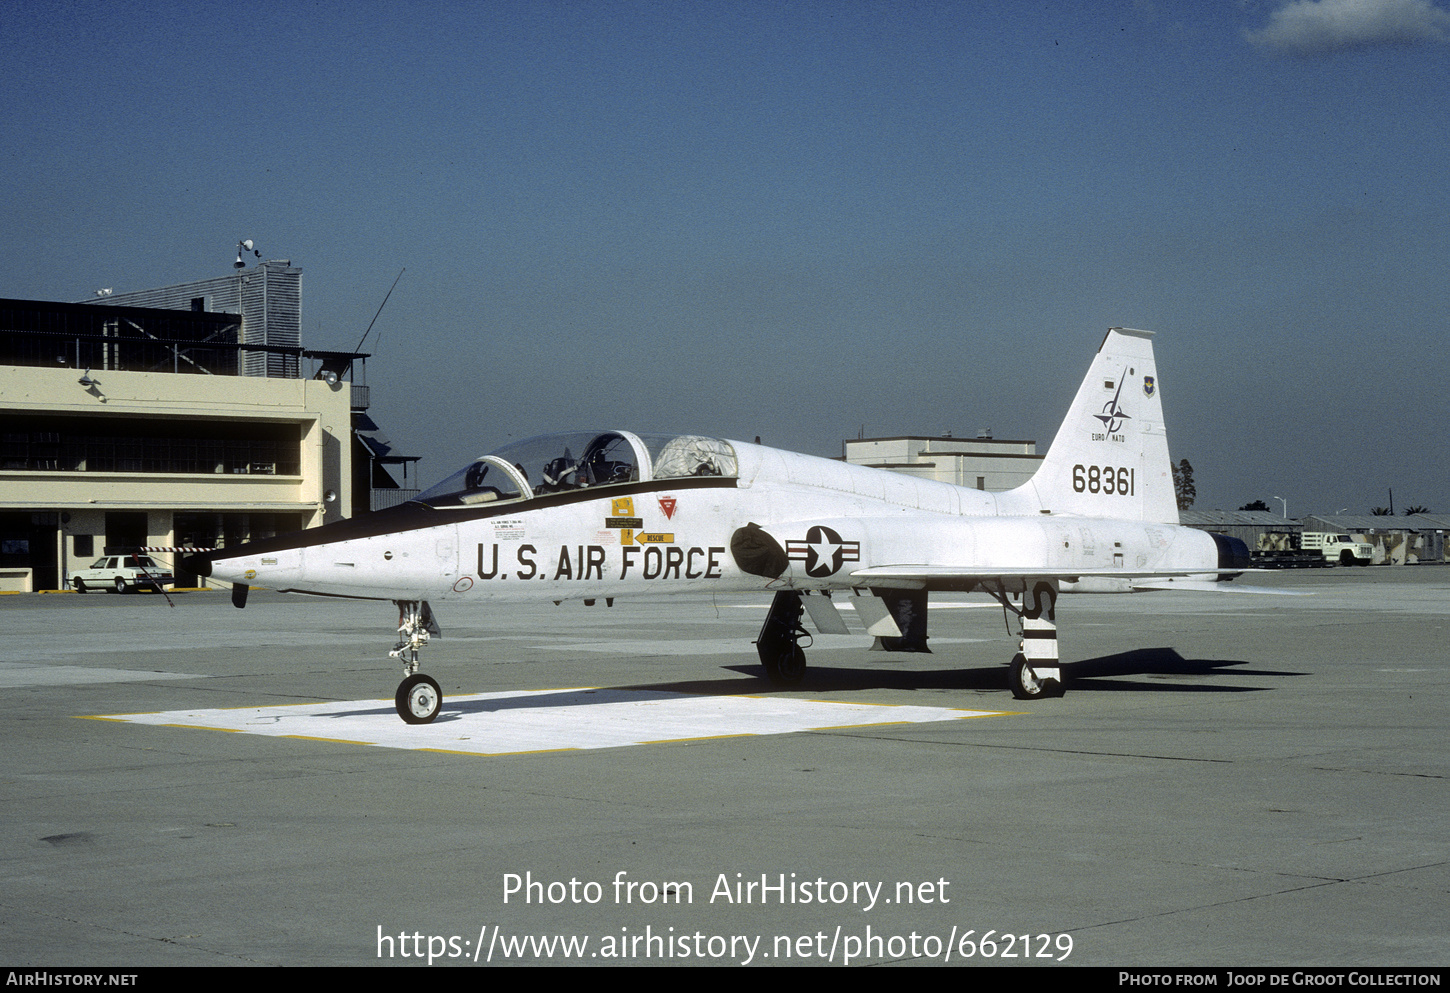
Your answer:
<point x="1340" y="548"/>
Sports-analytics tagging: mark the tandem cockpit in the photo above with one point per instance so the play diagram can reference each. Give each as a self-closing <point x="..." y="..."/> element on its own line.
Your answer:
<point x="559" y="463"/>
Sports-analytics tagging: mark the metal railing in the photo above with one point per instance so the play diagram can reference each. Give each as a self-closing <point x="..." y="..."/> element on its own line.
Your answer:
<point x="383" y="499"/>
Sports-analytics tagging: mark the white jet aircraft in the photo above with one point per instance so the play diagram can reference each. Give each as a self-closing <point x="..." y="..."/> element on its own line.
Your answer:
<point x="609" y="513"/>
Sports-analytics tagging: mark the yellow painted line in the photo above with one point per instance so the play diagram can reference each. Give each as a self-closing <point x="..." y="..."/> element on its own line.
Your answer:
<point x="313" y="737"/>
<point x="497" y="755"/>
<point x="701" y="737"/>
<point x="852" y="703"/>
<point x="847" y="727"/>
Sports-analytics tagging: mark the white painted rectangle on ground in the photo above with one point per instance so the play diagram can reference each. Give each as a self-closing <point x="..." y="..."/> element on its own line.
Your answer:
<point x="551" y="720"/>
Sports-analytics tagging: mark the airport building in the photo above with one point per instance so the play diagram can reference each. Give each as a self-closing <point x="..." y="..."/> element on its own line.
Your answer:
<point x="197" y="420"/>
<point x="983" y="463"/>
<point x="1400" y="539"/>
<point x="1258" y="529"/>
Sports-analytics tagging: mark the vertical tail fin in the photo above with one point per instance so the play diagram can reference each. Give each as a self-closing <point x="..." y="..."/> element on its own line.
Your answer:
<point x="1110" y="456"/>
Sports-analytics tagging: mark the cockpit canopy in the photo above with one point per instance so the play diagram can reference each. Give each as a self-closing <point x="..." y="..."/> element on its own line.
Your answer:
<point x="555" y="463"/>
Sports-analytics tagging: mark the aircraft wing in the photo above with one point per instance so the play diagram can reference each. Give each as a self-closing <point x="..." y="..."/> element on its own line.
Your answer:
<point x="938" y="577"/>
<point x="1203" y="586"/>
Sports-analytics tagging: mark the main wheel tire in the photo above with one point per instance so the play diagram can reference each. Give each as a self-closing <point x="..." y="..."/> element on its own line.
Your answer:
<point x="1025" y="684"/>
<point x="80" y="585"/>
<point x="786" y="667"/>
<point x="418" y="699"/>
<point x="120" y="585"/>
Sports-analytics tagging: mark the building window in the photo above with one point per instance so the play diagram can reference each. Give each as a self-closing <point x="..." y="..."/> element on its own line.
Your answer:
<point x="59" y="444"/>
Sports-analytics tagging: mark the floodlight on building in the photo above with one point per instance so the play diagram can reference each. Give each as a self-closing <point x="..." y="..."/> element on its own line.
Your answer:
<point x="243" y="247"/>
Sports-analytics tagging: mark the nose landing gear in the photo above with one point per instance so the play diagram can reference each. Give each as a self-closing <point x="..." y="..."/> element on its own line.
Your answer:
<point x="419" y="698"/>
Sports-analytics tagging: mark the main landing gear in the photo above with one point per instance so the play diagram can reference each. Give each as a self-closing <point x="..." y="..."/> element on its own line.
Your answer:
<point x="1035" y="670"/>
<point x="419" y="697"/>
<point x="778" y="643"/>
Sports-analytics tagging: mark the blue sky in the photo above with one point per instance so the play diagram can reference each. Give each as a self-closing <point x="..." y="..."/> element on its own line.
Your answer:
<point x="794" y="220"/>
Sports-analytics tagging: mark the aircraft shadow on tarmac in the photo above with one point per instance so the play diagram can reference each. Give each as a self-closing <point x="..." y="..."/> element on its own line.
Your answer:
<point x="1104" y="673"/>
<point x="1160" y="665"/>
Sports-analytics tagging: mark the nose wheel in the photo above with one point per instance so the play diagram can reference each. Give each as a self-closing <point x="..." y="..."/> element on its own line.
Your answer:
<point x="419" y="699"/>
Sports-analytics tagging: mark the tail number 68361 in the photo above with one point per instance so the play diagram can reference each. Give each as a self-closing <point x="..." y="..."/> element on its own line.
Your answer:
<point x="1112" y="480"/>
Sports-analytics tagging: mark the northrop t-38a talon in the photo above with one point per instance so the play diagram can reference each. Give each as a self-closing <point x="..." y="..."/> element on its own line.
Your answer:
<point x="604" y="514"/>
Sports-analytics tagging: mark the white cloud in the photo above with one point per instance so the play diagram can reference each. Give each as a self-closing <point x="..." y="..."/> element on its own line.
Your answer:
<point x="1307" y="27"/>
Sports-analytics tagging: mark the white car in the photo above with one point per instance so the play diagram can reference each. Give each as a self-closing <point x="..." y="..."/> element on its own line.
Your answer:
<point x="121" y="573"/>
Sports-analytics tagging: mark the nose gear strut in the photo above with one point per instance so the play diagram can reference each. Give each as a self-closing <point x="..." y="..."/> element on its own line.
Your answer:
<point x="419" y="698"/>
